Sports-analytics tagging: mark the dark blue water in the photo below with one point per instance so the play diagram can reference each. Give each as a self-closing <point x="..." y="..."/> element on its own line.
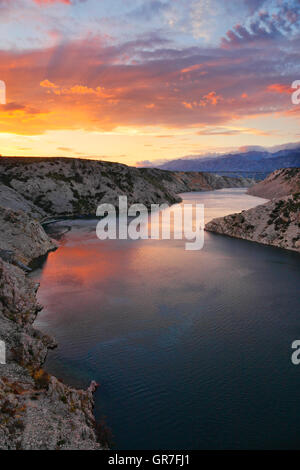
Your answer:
<point x="191" y="348"/>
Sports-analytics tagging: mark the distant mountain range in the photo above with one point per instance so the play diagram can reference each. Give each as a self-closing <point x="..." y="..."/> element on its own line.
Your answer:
<point x="249" y="163"/>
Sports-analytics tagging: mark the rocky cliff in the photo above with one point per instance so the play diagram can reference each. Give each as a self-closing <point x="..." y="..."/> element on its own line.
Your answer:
<point x="22" y="235"/>
<point x="279" y="183"/>
<point x="275" y="223"/>
<point x="72" y="187"/>
<point x="36" y="410"/>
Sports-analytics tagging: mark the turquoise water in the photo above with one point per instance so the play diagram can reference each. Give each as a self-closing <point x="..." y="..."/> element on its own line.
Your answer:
<point x="191" y="348"/>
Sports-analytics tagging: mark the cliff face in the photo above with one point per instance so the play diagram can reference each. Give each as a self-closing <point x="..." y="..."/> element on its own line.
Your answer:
<point x="71" y="187"/>
<point x="279" y="183"/>
<point x="276" y="222"/>
<point x="36" y="410"/>
<point x="22" y="235"/>
<point x="10" y="199"/>
<point x="179" y="181"/>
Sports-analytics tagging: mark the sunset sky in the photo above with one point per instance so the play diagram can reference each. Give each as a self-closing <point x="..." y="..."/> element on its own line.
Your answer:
<point x="147" y="80"/>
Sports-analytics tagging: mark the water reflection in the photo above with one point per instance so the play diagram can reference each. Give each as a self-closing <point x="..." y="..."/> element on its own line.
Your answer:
<point x="191" y="348"/>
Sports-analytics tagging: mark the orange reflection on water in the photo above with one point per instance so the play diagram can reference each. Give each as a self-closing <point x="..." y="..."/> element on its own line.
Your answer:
<point x="84" y="265"/>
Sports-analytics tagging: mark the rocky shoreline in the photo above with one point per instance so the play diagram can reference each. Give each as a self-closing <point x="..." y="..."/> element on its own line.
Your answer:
<point x="275" y="223"/>
<point x="278" y="184"/>
<point x="37" y="411"/>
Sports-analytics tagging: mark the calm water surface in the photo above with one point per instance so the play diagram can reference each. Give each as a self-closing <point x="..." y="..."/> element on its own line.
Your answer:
<point x="191" y="348"/>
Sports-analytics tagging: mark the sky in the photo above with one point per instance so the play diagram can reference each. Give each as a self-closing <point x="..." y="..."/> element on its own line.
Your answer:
<point x="138" y="81"/>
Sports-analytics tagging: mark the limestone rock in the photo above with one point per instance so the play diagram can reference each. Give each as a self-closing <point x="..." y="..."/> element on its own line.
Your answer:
<point x="11" y="199"/>
<point x="275" y="223"/>
<point x="278" y="184"/>
<point x="36" y="410"/>
<point x="23" y="235"/>
<point x="72" y="187"/>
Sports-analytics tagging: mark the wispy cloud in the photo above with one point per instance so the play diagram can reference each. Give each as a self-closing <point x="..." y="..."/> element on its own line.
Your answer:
<point x="126" y="84"/>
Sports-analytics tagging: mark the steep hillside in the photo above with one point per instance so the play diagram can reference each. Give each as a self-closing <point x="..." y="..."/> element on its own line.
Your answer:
<point x="279" y="183"/>
<point x="276" y="223"/>
<point x="62" y="186"/>
<point x="36" y="410"/>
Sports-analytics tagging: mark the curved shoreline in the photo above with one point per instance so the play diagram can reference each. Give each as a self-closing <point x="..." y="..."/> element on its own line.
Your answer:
<point x="37" y="411"/>
<point x="275" y="223"/>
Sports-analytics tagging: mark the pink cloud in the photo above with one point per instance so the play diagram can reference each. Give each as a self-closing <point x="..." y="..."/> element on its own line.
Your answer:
<point x="87" y="84"/>
<point x="280" y="88"/>
<point x="45" y="2"/>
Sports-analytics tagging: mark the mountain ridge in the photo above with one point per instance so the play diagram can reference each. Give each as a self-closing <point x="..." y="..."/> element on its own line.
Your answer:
<point x="75" y="187"/>
<point x="250" y="161"/>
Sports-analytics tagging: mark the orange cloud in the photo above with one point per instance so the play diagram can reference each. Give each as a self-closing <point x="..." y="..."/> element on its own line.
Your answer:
<point x="210" y="98"/>
<point x="213" y="98"/>
<point x="88" y="85"/>
<point x="191" y="68"/>
<point x="280" y="88"/>
<point x="47" y="84"/>
<point x="187" y="105"/>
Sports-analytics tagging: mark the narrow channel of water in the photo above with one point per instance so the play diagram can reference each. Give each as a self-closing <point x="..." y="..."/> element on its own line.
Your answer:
<point x="191" y="348"/>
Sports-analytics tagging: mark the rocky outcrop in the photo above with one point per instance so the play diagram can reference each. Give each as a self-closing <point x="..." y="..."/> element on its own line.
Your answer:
<point x="276" y="223"/>
<point x="23" y="235"/>
<point x="42" y="413"/>
<point x="36" y="410"/>
<point x="10" y="199"/>
<point x="72" y="187"/>
<point x="18" y="304"/>
<point x="278" y="184"/>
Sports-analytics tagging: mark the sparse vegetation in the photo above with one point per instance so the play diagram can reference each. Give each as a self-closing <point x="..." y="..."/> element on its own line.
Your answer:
<point x="41" y="378"/>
